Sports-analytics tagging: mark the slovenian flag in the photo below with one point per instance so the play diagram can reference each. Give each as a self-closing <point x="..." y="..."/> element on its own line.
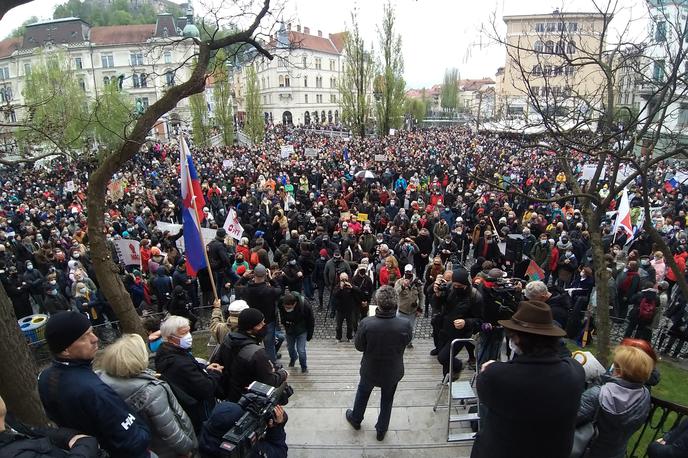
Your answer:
<point x="192" y="211"/>
<point x="623" y="216"/>
<point x="670" y="184"/>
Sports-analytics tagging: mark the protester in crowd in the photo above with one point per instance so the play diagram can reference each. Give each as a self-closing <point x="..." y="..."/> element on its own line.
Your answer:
<point x="674" y="444"/>
<point x="538" y="388"/>
<point x="74" y="397"/>
<point x="124" y="367"/>
<point x="299" y="324"/>
<point x="382" y="339"/>
<point x="21" y="441"/>
<point x="344" y="300"/>
<point x="364" y="283"/>
<point x="218" y="326"/>
<point x="410" y="295"/>
<point x="193" y="383"/>
<point x="620" y="406"/>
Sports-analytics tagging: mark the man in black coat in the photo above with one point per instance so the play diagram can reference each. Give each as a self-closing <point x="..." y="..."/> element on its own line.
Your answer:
<point x="382" y="339"/>
<point x="262" y="295"/>
<point x="219" y="256"/>
<point x="529" y="404"/>
<point x="244" y="360"/>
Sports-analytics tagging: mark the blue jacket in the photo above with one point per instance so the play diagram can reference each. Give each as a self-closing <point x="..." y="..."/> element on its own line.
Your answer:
<point x="75" y="397"/>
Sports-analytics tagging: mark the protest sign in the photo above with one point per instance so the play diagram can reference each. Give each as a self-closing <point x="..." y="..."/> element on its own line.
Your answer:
<point x="69" y="186"/>
<point x="232" y="225"/>
<point x="681" y="177"/>
<point x="380" y="158"/>
<point x="286" y="151"/>
<point x="227" y="164"/>
<point x="128" y="252"/>
<point x="311" y="152"/>
<point x="208" y="234"/>
<point x="362" y="217"/>
<point x="589" y="171"/>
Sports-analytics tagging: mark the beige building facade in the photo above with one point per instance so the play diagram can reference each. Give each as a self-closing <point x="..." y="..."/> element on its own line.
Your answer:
<point x="545" y="64"/>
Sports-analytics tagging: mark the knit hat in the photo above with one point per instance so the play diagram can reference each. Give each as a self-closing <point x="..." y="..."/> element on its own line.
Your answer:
<point x="249" y="318"/>
<point x="65" y="328"/>
<point x="323" y="252"/>
<point x="460" y="276"/>
<point x="260" y="270"/>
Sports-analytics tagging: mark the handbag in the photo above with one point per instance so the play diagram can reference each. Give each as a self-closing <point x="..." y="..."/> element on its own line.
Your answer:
<point x="583" y="436"/>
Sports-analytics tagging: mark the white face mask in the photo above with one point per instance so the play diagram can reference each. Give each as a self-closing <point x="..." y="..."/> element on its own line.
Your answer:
<point x="186" y="341"/>
<point x="514" y="348"/>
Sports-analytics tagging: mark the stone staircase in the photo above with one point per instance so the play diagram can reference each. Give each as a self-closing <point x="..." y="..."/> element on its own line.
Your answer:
<point x="317" y="427"/>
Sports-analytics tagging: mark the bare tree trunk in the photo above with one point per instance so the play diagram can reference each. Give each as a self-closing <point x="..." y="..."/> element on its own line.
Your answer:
<point x="18" y="382"/>
<point x="602" y="323"/>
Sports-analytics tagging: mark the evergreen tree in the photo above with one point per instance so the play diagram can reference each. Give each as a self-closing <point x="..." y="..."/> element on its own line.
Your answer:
<point x="255" y="123"/>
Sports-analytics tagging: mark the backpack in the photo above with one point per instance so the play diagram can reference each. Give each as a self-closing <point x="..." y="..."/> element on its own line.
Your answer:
<point x="646" y="310"/>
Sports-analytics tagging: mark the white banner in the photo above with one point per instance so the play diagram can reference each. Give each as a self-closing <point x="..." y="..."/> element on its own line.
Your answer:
<point x="311" y="152"/>
<point x="232" y="225"/>
<point x="128" y="252"/>
<point x="227" y="164"/>
<point x="208" y="234"/>
<point x="624" y="172"/>
<point x="681" y="177"/>
<point x="589" y="171"/>
<point x="286" y="151"/>
<point x="69" y="186"/>
<point x="380" y="157"/>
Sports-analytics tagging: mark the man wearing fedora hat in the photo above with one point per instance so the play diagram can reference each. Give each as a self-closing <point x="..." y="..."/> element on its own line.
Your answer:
<point x="529" y="404"/>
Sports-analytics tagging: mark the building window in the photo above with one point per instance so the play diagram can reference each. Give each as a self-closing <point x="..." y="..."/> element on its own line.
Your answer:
<point x="332" y="65"/>
<point x="333" y="98"/>
<point x="167" y="57"/>
<point x="660" y="32"/>
<point x="569" y="70"/>
<point x="573" y="27"/>
<point x="136" y="82"/>
<point x="5" y="94"/>
<point x="82" y="84"/>
<point x="538" y="46"/>
<point x="265" y="100"/>
<point x="535" y="91"/>
<point x="27" y="69"/>
<point x="143" y="80"/>
<point x="281" y="62"/>
<point x="305" y="98"/>
<point x="305" y="80"/>
<point x="571" y="48"/>
<point x="551" y="26"/>
<point x="304" y="62"/>
<point x="540" y="27"/>
<point x="561" y="27"/>
<point x="558" y="71"/>
<point x="136" y="59"/>
<point x="560" y="47"/>
<point x="329" y="116"/>
<point x="537" y="70"/>
<point x="287" y="83"/>
<point x="322" y="116"/>
<point x="658" y="71"/>
<point x="547" y="70"/>
<point x="318" y="81"/>
<point x="318" y="63"/>
<point x="4" y="73"/>
<point x="169" y="78"/>
<point x="78" y="64"/>
<point x="333" y="83"/>
<point x="106" y="80"/>
<point x="280" y="79"/>
<point x="107" y="60"/>
<point x="549" y="47"/>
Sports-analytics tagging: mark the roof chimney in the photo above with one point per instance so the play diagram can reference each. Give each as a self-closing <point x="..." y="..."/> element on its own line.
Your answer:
<point x="320" y="33"/>
<point x="306" y="30"/>
<point x="298" y="28"/>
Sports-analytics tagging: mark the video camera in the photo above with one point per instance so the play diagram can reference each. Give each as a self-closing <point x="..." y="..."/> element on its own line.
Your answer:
<point x="259" y="406"/>
<point x="506" y="296"/>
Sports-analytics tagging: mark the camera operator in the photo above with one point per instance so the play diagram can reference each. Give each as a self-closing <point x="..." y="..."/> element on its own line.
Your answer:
<point x="459" y="319"/>
<point x="244" y="360"/>
<point x="224" y="416"/>
<point x="500" y="300"/>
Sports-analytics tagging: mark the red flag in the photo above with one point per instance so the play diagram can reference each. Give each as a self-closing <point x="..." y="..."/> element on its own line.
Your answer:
<point x="534" y="271"/>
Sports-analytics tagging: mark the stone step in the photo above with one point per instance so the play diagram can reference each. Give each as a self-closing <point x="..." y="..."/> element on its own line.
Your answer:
<point x="317" y="426"/>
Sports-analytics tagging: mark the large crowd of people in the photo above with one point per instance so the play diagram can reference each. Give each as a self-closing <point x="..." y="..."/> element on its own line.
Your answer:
<point x="396" y="227"/>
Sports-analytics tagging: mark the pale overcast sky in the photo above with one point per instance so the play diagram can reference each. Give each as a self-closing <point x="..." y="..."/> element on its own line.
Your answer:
<point x="436" y="34"/>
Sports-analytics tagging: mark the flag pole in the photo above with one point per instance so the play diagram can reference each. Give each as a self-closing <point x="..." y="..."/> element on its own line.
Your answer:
<point x="198" y="226"/>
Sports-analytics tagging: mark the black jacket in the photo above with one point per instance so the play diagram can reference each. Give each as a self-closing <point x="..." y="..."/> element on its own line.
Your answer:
<point x="264" y="297"/>
<point x="218" y="255"/>
<point x="193" y="385"/>
<point x="531" y="406"/>
<point x="456" y="305"/>
<point x="676" y="443"/>
<point x="299" y="320"/>
<point x="17" y="445"/>
<point x="382" y="339"/>
<point x="244" y="362"/>
<point x="75" y="397"/>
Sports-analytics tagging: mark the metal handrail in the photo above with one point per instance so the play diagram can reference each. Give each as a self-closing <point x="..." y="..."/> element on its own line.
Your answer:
<point x="654" y="428"/>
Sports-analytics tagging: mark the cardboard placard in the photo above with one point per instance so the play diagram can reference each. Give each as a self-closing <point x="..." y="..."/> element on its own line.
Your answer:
<point x="128" y="252"/>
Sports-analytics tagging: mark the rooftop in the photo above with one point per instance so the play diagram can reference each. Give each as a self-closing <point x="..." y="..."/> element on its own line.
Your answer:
<point x="331" y="44"/>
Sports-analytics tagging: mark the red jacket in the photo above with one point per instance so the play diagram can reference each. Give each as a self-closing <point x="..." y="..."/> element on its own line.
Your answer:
<point x="680" y="262"/>
<point x="384" y="275"/>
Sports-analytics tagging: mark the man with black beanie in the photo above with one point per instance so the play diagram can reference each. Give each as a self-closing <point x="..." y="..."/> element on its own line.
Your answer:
<point x="75" y="397"/>
<point x="244" y="360"/>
